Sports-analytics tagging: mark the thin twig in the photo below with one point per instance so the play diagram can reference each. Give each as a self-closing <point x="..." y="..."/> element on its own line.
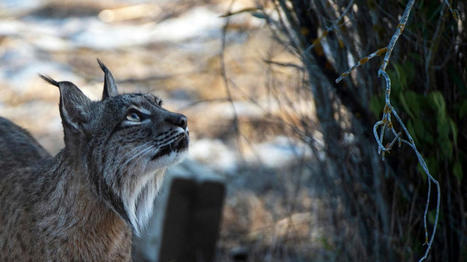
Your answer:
<point x="282" y="64"/>
<point x="338" y="21"/>
<point x="400" y="28"/>
<point x="433" y="47"/>
<point x="386" y="123"/>
<point x="361" y="62"/>
<point x="224" y="74"/>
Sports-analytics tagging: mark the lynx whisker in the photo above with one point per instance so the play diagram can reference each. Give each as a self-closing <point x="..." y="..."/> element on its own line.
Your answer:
<point x="134" y="153"/>
<point x="170" y="141"/>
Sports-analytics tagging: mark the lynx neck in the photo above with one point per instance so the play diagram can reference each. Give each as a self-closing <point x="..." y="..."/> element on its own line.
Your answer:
<point x="70" y="210"/>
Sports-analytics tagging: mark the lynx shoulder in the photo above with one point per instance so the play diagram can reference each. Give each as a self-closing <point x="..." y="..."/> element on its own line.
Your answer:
<point x="85" y="203"/>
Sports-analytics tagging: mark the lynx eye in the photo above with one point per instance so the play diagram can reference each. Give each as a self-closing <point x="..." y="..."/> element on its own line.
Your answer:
<point x="134" y="116"/>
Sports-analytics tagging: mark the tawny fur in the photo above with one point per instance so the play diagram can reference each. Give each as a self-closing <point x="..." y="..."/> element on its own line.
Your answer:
<point x="84" y="203"/>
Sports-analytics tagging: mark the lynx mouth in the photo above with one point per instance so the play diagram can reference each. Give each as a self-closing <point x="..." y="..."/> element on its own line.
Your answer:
<point x="179" y="144"/>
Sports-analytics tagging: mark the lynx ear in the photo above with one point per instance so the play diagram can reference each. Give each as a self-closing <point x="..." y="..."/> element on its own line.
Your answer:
<point x="74" y="105"/>
<point x="110" y="87"/>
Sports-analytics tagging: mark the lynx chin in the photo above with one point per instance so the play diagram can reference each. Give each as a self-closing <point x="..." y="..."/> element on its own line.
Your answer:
<point x="84" y="203"/>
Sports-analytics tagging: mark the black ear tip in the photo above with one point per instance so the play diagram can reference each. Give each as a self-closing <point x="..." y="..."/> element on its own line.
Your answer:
<point x="49" y="80"/>
<point x="103" y="67"/>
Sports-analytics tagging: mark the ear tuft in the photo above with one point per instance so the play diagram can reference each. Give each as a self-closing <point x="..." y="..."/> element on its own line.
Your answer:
<point x="49" y="80"/>
<point x="110" y="87"/>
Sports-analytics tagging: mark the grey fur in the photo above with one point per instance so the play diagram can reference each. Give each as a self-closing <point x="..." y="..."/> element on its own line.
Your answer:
<point x="82" y="204"/>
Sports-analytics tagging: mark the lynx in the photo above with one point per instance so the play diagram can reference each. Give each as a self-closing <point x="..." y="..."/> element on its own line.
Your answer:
<point x="85" y="203"/>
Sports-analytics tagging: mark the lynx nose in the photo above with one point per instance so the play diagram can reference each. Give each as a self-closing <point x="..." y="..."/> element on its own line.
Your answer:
<point x="178" y="120"/>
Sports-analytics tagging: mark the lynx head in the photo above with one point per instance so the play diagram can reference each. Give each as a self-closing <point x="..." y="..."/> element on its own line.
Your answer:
<point x="123" y="143"/>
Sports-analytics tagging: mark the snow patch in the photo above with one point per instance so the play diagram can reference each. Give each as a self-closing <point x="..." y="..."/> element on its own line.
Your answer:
<point x="279" y="152"/>
<point x="215" y="154"/>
